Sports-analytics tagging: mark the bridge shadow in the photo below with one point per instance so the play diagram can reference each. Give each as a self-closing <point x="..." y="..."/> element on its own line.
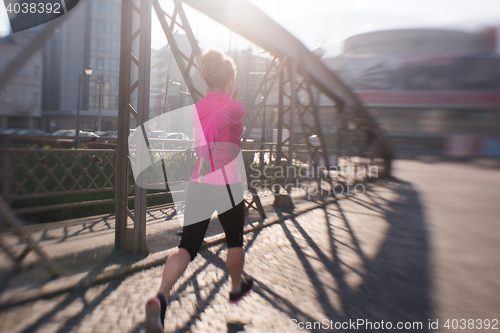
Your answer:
<point x="394" y="282"/>
<point x="395" y="285"/>
<point x="202" y="303"/>
<point x="69" y="299"/>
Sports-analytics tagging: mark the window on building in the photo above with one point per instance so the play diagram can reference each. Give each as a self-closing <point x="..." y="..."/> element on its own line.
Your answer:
<point x="107" y="46"/>
<point x="114" y="65"/>
<point x="92" y="82"/>
<point x="37" y="71"/>
<point x="115" y="46"/>
<point x="113" y="102"/>
<point x="5" y="96"/>
<point x="107" y="65"/>
<point x="100" y="64"/>
<point x="35" y="99"/>
<point x="100" y="45"/>
<point x="116" y="27"/>
<point x="109" y="27"/>
<point x="105" y="85"/>
<point x="114" y="83"/>
<point x="23" y="71"/>
<point x="105" y="102"/>
<point x="93" y="44"/>
<point x="93" y="101"/>
<point x="97" y="85"/>
<point x="22" y="100"/>
<point x="101" y="26"/>
<point x="102" y="7"/>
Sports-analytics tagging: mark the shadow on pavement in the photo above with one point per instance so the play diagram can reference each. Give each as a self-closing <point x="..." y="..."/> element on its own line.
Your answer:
<point x="395" y="283"/>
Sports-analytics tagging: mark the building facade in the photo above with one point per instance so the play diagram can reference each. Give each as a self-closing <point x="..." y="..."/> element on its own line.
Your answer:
<point x="90" y="38"/>
<point x="21" y="100"/>
<point x="426" y="86"/>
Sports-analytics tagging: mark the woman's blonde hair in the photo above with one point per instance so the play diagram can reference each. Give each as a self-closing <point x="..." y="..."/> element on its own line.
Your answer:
<point x="216" y="68"/>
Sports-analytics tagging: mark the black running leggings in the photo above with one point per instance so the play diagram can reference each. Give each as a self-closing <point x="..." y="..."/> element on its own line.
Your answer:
<point x="197" y="205"/>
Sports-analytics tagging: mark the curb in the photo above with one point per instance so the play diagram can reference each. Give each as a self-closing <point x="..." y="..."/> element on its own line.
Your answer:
<point x="83" y="281"/>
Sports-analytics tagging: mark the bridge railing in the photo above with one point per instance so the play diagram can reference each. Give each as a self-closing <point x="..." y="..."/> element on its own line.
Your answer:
<point x="37" y="177"/>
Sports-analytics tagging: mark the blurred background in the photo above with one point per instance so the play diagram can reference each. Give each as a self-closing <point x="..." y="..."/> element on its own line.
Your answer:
<point x="428" y="72"/>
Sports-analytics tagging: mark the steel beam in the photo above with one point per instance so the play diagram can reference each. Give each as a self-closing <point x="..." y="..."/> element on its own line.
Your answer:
<point x="142" y="61"/>
<point x="122" y="158"/>
<point x="143" y="88"/>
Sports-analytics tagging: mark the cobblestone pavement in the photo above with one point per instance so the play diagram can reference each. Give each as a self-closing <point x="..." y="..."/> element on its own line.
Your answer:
<point x="370" y="256"/>
<point x="86" y="245"/>
<point x="310" y="268"/>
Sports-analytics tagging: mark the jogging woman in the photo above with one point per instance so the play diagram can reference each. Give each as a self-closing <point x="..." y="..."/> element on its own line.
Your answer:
<point x="214" y="185"/>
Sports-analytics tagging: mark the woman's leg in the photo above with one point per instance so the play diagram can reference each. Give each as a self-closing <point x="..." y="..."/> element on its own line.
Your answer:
<point x="235" y="261"/>
<point x="232" y="222"/>
<point x="174" y="267"/>
<point x="192" y="238"/>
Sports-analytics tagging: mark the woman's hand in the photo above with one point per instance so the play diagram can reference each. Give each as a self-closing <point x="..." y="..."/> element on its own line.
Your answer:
<point x="204" y="168"/>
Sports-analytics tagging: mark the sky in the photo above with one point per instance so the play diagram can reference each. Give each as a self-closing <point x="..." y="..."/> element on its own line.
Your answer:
<point x="327" y="23"/>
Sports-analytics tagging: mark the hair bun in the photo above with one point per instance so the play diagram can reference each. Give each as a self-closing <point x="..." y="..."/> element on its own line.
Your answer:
<point x="216" y="68"/>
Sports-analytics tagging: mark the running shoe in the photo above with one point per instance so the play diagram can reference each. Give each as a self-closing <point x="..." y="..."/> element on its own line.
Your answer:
<point x="246" y="286"/>
<point x="155" y="314"/>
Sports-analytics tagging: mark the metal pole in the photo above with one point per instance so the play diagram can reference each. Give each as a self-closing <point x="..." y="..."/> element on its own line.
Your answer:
<point x="180" y="95"/>
<point x="281" y="112"/>
<point x="78" y="107"/>
<point x="293" y="107"/>
<point x="263" y="129"/>
<point x="101" y="82"/>
<point x="293" y="110"/>
<point x="143" y="88"/>
<point x="122" y="161"/>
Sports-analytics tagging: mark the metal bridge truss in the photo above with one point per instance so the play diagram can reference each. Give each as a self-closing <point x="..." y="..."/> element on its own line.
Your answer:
<point x="298" y="73"/>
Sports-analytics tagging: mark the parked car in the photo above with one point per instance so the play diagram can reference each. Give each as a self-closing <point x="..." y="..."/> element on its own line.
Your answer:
<point x="156" y="134"/>
<point x="32" y="132"/>
<point x="71" y="133"/>
<point x="85" y="134"/>
<point x="8" y="131"/>
<point x="63" y="132"/>
<point x="23" y="131"/>
<point x="109" y="134"/>
<point x="177" y="140"/>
